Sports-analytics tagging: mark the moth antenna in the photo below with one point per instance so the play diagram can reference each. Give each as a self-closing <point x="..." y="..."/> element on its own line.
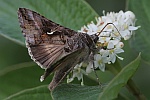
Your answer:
<point x="100" y="84"/>
<point x="106" y="26"/>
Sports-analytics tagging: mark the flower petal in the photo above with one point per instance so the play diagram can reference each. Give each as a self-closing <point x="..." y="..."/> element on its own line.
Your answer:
<point x="110" y="45"/>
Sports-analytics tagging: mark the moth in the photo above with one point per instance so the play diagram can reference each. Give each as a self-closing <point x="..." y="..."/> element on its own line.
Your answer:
<point x="53" y="47"/>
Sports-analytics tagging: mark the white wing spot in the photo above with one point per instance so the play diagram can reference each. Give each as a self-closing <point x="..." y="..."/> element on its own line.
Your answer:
<point x="50" y="32"/>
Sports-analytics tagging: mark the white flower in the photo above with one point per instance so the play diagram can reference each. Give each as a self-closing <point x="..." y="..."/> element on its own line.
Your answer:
<point x="76" y="73"/>
<point x="89" y="67"/>
<point x="104" y="39"/>
<point x="113" y="54"/>
<point x="121" y="26"/>
<point x="119" y="45"/>
<point x="100" y="61"/>
<point x="112" y="43"/>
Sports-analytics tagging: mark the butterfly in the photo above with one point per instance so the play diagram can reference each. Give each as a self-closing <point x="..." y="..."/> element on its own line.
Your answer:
<point x="53" y="47"/>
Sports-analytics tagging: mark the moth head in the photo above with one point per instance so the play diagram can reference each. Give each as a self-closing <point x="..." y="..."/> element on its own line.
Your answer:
<point x="94" y="37"/>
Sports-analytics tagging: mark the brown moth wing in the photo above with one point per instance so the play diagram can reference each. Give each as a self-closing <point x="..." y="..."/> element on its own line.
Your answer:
<point x="52" y="46"/>
<point x="43" y="48"/>
<point x="66" y="64"/>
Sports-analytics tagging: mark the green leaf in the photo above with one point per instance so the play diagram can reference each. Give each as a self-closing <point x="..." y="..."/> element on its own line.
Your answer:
<point x="37" y="93"/>
<point x="113" y="88"/>
<point x="70" y="13"/>
<point x="16" y="78"/>
<point x="141" y="42"/>
<point x="76" y="92"/>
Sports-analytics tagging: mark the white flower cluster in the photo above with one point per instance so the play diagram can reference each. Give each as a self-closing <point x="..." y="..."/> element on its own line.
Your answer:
<point x="112" y="28"/>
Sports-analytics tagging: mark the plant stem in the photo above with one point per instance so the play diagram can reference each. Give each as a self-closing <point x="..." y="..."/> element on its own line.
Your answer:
<point x="115" y="69"/>
<point x="134" y="90"/>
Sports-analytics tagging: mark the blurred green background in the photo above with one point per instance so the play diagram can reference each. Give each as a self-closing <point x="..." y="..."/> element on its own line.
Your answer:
<point x="12" y="53"/>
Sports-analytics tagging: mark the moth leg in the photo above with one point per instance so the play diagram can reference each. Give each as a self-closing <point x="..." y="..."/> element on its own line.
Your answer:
<point x="97" y="78"/>
<point x="92" y="59"/>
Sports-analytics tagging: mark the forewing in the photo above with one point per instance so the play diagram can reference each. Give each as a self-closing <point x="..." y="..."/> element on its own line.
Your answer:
<point x="45" y="49"/>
